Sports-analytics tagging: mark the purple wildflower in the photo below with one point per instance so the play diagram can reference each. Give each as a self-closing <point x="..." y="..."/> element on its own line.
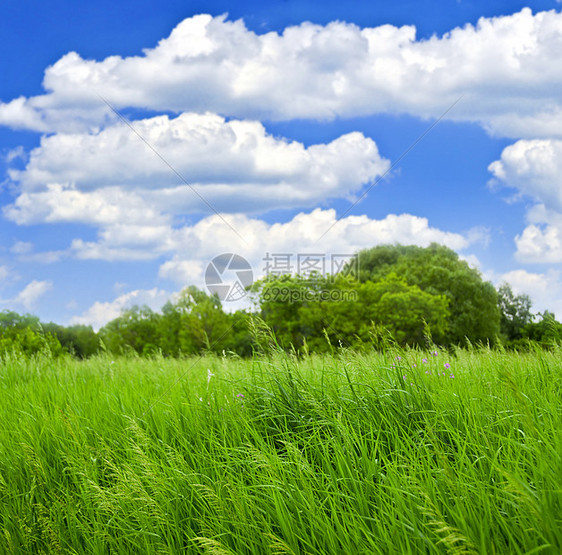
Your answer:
<point x="424" y="360"/>
<point x="447" y="365"/>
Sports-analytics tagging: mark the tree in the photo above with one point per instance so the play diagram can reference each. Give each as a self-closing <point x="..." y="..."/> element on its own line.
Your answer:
<point x="281" y="300"/>
<point x="406" y="310"/>
<point x="203" y="323"/>
<point x="23" y="334"/>
<point x="79" y="340"/>
<point x="136" y="327"/>
<point x="515" y="312"/>
<point x="190" y="324"/>
<point x="343" y="310"/>
<point x="546" y="330"/>
<point x="473" y="306"/>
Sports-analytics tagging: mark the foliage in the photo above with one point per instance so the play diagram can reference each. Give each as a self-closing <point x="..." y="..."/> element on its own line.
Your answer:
<point x="136" y="328"/>
<point x="78" y="340"/>
<point x="515" y="312"/>
<point x="473" y="306"/>
<point x="340" y="310"/>
<point x="23" y="334"/>
<point x="546" y="331"/>
<point x="416" y="295"/>
<point x="405" y="310"/>
<point x="193" y="323"/>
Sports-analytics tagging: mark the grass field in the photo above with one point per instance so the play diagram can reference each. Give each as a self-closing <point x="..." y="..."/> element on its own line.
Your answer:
<point x="350" y="454"/>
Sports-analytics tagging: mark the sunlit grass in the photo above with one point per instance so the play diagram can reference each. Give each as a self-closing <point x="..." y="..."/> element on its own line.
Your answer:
<point x="346" y="454"/>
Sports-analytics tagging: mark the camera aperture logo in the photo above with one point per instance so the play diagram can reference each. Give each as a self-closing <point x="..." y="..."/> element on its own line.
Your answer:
<point x="228" y="276"/>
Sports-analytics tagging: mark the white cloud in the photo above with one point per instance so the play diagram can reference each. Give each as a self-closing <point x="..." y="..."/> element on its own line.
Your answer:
<point x="540" y="244"/>
<point x="534" y="169"/>
<point x="22" y="247"/>
<point x="100" y="313"/>
<point x="197" y="245"/>
<point x="112" y="177"/>
<point x="56" y="203"/>
<point x="545" y="289"/>
<point x="31" y="293"/>
<point x="191" y="245"/>
<point x="506" y="67"/>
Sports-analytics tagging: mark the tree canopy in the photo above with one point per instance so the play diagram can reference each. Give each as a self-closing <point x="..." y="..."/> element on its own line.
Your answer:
<point x="190" y="324"/>
<point x="413" y="293"/>
<point x="342" y="310"/>
<point x="474" y="314"/>
<point x="515" y="312"/>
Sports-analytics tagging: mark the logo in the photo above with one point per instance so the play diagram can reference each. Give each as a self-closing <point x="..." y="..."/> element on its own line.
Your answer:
<point x="228" y="276"/>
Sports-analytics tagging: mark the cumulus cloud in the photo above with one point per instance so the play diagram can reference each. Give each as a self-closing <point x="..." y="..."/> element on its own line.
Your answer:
<point x="56" y="203"/>
<point x="506" y="67"/>
<point x="540" y="244"/>
<point x="189" y="247"/>
<point x="534" y="169"/>
<point x="304" y="234"/>
<point x="100" y="313"/>
<point x="112" y="176"/>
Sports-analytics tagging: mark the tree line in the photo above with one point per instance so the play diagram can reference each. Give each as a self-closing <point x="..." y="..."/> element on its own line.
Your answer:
<point x="409" y="293"/>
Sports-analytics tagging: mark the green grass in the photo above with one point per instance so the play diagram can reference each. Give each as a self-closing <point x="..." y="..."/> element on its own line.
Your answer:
<point x="322" y="455"/>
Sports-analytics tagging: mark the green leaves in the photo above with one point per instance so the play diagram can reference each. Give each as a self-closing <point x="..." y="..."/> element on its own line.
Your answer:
<point x="344" y="310"/>
<point x="437" y="270"/>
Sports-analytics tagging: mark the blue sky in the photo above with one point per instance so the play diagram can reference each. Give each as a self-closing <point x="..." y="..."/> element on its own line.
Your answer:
<point x="280" y="115"/>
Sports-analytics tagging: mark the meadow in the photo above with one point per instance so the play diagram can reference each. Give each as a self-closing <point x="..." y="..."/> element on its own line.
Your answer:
<point x="401" y="452"/>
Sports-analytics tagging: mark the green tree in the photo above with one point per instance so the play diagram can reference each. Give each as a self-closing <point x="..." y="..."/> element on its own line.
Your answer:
<point x="203" y="323"/>
<point x="136" y="328"/>
<point x="189" y="324"/>
<point x="473" y="305"/>
<point x="79" y="340"/>
<point x="406" y="310"/>
<point x="343" y="310"/>
<point x="23" y="334"/>
<point x="281" y="300"/>
<point x="515" y="312"/>
<point x="546" y="330"/>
